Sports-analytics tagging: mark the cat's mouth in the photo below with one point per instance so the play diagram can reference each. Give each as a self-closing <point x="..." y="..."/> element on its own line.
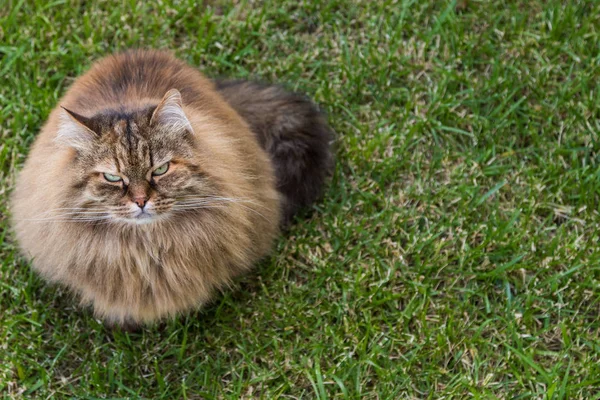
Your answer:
<point x="143" y="217"/>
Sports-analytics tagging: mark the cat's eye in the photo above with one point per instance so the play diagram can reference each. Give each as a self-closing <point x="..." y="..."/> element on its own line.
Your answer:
<point x="112" y="178"/>
<point x="161" y="170"/>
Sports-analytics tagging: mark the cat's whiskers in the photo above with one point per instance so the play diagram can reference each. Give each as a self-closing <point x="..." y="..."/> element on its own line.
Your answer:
<point x="68" y="211"/>
<point x="218" y="198"/>
<point x="66" y="216"/>
<point x="213" y="202"/>
<point x="71" y="214"/>
<point x="63" y="219"/>
<point x="194" y="207"/>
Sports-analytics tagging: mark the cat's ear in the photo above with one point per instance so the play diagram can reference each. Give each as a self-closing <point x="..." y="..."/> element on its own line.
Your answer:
<point x="169" y="112"/>
<point x="75" y="130"/>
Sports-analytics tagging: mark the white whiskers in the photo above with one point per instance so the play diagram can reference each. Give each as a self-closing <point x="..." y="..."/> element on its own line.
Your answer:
<point x="71" y="214"/>
<point x="201" y="202"/>
<point x="180" y="204"/>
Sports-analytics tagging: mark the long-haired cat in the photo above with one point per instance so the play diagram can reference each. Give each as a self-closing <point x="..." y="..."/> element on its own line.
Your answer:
<point x="150" y="186"/>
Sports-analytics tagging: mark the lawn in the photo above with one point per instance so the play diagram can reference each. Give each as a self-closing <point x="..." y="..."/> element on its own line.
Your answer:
<point x="455" y="253"/>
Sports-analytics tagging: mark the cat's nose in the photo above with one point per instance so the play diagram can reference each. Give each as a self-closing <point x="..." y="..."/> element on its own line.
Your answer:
<point x="140" y="201"/>
<point x="139" y="193"/>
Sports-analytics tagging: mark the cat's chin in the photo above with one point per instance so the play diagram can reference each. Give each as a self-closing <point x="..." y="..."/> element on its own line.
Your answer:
<point x="141" y="219"/>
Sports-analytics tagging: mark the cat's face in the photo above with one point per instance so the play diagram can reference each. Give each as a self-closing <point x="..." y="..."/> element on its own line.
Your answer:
<point x="135" y="167"/>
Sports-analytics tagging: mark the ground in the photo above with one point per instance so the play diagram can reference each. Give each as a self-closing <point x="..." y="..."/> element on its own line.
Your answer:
<point x="455" y="253"/>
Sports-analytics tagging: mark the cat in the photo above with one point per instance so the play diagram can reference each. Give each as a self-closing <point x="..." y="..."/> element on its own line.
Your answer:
<point x="151" y="187"/>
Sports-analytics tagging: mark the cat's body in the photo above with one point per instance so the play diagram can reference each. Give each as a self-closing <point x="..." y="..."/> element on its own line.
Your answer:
<point x="146" y="191"/>
<point x="293" y="132"/>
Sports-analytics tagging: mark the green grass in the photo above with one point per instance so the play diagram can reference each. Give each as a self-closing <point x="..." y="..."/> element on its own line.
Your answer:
<point x="454" y="255"/>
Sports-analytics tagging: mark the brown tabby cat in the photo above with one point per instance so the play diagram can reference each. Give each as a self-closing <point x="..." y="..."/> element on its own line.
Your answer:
<point x="150" y="187"/>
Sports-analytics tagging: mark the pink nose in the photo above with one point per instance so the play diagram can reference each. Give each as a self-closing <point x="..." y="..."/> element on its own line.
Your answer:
<point x="140" y="201"/>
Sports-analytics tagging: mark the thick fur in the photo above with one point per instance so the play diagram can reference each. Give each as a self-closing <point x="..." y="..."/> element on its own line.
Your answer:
<point x="76" y="227"/>
<point x="293" y="132"/>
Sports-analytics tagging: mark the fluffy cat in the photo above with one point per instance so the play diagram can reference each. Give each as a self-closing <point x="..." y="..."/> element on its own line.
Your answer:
<point x="150" y="187"/>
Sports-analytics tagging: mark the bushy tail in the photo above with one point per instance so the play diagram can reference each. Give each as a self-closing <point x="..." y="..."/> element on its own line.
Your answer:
<point x="290" y="127"/>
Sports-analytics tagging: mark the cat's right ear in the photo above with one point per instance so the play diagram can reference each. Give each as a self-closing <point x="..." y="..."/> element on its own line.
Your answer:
<point x="75" y="130"/>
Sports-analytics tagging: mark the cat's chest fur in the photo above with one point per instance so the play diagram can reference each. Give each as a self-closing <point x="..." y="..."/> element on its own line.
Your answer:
<point x="146" y="271"/>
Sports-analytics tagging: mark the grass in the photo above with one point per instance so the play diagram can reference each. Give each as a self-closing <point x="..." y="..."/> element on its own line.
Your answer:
<point x="454" y="255"/>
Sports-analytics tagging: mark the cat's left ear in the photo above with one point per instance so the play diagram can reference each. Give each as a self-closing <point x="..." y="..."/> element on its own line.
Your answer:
<point x="169" y="112"/>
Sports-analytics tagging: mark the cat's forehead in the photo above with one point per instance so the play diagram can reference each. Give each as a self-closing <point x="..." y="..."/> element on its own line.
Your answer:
<point x="132" y="148"/>
<point x="125" y="139"/>
<point x="122" y="123"/>
<point x="128" y="140"/>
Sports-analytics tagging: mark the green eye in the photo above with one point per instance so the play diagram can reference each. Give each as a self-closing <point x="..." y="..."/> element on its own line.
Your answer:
<point x="161" y="170"/>
<point x="112" y="178"/>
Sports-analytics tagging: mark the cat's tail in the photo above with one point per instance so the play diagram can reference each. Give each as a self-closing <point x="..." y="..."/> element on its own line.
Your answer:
<point x="293" y="131"/>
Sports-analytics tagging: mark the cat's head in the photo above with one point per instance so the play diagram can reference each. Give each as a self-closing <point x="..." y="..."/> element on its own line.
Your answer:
<point x="133" y="167"/>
